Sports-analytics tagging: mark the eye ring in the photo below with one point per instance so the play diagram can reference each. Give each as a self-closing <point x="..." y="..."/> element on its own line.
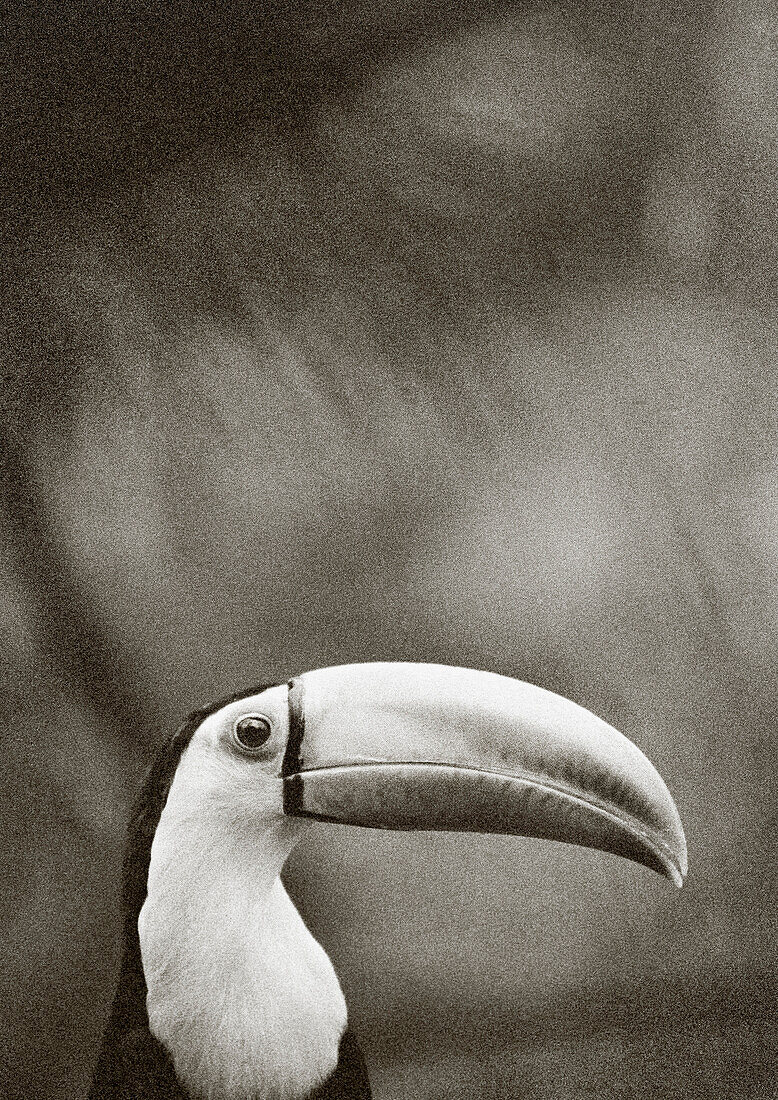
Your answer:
<point x="252" y="732"/>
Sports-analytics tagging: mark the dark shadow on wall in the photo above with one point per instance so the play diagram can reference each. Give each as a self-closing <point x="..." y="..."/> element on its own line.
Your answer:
<point x="98" y="95"/>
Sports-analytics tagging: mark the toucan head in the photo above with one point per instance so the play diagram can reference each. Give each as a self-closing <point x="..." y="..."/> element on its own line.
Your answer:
<point x="423" y="747"/>
<point x="238" y="992"/>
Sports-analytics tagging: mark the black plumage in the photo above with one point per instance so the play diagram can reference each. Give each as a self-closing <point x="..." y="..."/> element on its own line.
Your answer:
<point x="132" y="1064"/>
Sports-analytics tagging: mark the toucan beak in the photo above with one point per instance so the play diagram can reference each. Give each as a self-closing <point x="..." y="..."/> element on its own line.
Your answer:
<point x="414" y="746"/>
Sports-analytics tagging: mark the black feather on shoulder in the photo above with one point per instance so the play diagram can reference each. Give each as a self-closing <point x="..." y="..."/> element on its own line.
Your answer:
<point x="132" y="1065"/>
<point x="349" y="1080"/>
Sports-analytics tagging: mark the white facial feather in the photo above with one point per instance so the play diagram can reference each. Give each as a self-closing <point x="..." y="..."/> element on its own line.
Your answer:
<point x="239" y="992"/>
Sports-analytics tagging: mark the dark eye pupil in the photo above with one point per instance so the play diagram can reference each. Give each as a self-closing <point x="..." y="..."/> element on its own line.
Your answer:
<point x="252" y="733"/>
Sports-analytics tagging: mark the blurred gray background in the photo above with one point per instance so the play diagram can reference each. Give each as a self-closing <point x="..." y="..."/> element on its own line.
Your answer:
<point x="441" y="332"/>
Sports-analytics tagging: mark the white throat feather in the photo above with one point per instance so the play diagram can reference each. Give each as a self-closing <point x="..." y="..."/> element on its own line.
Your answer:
<point x="241" y="995"/>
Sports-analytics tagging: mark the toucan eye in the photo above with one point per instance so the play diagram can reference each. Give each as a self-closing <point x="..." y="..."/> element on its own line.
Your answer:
<point x="252" y="732"/>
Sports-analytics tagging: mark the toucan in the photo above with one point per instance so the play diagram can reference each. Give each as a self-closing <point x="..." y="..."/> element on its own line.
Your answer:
<point x="223" y="993"/>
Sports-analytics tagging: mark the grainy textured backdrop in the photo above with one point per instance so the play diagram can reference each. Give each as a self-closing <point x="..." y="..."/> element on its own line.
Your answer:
<point x="339" y="332"/>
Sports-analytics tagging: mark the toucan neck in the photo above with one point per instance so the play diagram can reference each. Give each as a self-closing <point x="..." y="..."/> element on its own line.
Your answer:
<point x="239" y="992"/>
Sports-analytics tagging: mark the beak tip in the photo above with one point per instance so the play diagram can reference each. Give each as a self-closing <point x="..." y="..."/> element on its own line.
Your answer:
<point x="683" y="869"/>
<point x="677" y="866"/>
<point x="676" y="876"/>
